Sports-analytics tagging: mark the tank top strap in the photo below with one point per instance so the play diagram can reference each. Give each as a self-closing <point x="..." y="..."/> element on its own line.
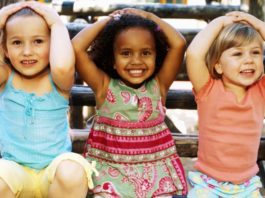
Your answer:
<point x="55" y="89"/>
<point x="10" y="79"/>
<point x="52" y="83"/>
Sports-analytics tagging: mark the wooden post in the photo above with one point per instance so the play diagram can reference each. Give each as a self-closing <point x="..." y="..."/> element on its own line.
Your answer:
<point x="6" y="2"/>
<point x="76" y="112"/>
<point x="256" y="8"/>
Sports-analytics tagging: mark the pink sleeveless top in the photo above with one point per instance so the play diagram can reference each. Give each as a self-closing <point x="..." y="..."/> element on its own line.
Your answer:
<point x="229" y="131"/>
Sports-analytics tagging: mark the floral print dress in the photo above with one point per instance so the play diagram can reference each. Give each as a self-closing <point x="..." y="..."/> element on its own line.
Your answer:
<point x="132" y="146"/>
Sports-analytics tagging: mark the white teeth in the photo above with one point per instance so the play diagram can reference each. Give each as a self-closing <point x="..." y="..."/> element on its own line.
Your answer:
<point x="28" y="61"/>
<point x="136" y="71"/>
<point x="247" y="71"/>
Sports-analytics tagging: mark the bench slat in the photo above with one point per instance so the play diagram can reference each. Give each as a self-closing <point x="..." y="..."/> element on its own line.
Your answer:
<point x="186" y="144"/>
<point x="176" y="99"/>
<point x="96" y="8"/>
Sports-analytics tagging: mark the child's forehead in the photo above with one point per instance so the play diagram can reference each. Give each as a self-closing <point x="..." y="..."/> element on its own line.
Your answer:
<point x="135" y="36"/>
<point x="20" y="17"/>
<point x="134" y="32"/>
<point x="27" y="19"/>
<point x="252" y="42"/>
<point x="30" y="25"/>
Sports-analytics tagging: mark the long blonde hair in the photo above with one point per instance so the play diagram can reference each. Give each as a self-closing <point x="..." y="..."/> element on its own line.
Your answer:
<point x="233" y="35"/>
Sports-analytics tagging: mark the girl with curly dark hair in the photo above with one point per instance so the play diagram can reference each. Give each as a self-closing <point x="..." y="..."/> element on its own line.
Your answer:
<point x="130" y="59"/>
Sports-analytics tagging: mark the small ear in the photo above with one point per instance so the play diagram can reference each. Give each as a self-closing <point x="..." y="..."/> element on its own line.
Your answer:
<point x="218" y="68"/>
<point x="5" y="52"/>
<point x="114" y="67"/>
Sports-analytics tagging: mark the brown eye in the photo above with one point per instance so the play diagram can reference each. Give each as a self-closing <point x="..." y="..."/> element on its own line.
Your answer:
<point x="146" y="53"/>
<point x="16" y="42"/>
<point x="256" y="52"/>
<point x="237" y="54"/>
<point x="125" y="53"/>
<point x="38" y="41"/>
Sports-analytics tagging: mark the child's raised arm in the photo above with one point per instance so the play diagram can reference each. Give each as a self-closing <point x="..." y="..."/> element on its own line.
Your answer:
<point x="196" y="53"/>
<point x="87" y="69"/>
<point x="62" y="59"/>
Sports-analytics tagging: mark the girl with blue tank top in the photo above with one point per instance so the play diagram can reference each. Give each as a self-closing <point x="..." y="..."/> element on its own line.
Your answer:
<point x="37" y="73"/>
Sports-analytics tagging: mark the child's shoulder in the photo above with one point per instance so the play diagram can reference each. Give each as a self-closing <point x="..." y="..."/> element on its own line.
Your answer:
<point x="5" y="72"/>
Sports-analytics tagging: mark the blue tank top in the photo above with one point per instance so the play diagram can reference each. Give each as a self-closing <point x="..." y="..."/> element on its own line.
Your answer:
<point x="33" y="129"/>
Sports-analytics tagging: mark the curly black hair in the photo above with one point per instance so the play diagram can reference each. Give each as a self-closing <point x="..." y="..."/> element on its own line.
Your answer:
<point x="101" y="50"/>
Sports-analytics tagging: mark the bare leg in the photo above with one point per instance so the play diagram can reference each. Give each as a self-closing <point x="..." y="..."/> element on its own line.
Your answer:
<point x="5" y="191"/>
<point x="70" y="181"/>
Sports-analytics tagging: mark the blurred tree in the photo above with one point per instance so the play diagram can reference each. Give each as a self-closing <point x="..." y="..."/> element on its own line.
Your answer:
<point x="6" y="2"/>
<point x="257" y="8"/>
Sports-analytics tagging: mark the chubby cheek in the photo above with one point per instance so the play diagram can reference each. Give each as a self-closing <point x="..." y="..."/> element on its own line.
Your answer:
<point x="152" y="66"/>
<point x="45" y="55"/>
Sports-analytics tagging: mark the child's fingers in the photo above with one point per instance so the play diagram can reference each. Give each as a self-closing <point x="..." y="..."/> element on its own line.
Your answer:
<point x="40" y="8"/>
<point x="241" y="15"/>
<point x="116" y="13"/>
<point x="6" y="11"/>
<point x="134" y="11"/>
<point x="48" y="13"/>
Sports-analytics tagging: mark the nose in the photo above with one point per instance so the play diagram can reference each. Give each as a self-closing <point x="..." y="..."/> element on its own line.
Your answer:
<point x="136" y="59"/>
<point x="248" y="58"/>
<point x="27" y="49"/>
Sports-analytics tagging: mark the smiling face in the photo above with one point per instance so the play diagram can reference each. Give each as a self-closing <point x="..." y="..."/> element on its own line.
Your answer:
<point x="28" y="44"/>
<point x="241" y="66"/>
<point x="134" y="56"/>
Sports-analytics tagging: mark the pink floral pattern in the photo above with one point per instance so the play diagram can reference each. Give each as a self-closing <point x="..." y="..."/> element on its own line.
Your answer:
<point x="145" y="108"/>
<point x="126" y="96"/>
<point x="110" y="97"/>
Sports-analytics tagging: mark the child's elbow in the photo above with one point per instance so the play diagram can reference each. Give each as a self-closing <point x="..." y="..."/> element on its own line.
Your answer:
<point x="191" y="51"/>
<point x="180" y="43"/>
<point x="67" y="70"/>
<point x="76" y="46"/>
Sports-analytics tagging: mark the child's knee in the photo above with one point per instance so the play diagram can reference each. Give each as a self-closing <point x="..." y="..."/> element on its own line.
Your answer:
<point x="12" y="177"/>
<point x="5" y="189"/>
<point x="70" y="173"/>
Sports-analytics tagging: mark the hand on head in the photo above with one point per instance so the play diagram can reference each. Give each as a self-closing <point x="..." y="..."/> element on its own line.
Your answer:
<point x="134" y="11"/>
<point x="246" y="18"/>
<point x="8" y="10"/>
<point x="226" y="20"/>
<point x="49" y="14"/>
